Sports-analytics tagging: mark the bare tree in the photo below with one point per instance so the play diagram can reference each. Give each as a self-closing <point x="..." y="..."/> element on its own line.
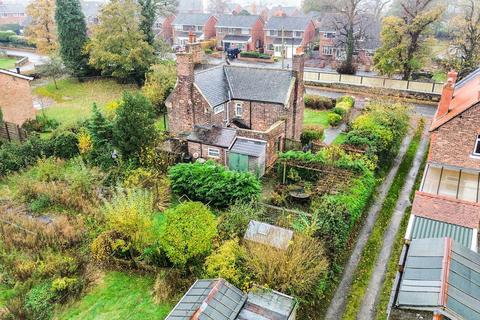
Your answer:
<point x="377" y="8"/>
<point x="217" y="6"/>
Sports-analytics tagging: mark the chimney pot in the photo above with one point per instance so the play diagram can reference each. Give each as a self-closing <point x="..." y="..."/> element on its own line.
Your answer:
<point x="447" y="95"/>
<point x="453" y="76"/>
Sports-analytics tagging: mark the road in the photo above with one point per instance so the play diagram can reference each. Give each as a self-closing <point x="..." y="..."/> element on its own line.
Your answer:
<point x="33" y="58"/>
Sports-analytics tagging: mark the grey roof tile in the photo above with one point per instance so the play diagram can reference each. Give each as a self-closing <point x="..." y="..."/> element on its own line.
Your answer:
<point x="288" y="23"/>
<point x="191" y="19"/>
<point x="237" y="21"/>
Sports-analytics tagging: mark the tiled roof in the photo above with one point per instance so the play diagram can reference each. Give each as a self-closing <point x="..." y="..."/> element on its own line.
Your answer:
<point x="268" y="234"/>
<point x="191" y="19"/>
<point x="209" y="300"/>
<point x="213" y="135"/>
<point x="288" y="23"/>
<point x="465" y="95"/>
<point x="441" y="275"/>
<point x="445" y="209"/>
<point x="423" y="228"/>
<point x="223" y="83"/>
<point x="237" y="21"/>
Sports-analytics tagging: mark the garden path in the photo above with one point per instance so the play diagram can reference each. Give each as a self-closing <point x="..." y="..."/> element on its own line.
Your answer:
<point x="338" y="303"/>
<point x="372" y="295"/>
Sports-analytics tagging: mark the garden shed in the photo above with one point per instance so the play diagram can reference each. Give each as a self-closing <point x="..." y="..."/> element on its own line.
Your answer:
<point x="247" y="155"/>
<point x="268" y="234"/>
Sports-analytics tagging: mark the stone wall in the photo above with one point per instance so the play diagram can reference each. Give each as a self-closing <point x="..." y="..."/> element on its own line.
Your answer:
<point x="16" y="99"/>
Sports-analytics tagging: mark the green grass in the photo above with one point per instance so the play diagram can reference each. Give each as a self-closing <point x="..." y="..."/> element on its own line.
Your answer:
<point x="373" y="246"/>
<point x="5" y="295"/>
<point x="120" y="296"/>
<point x="316" y="117"/>
<point x="340" y="139"/>
<point x="392" y="266"/>
<point x="73" y="100"/>
<point x="7" y="63"/>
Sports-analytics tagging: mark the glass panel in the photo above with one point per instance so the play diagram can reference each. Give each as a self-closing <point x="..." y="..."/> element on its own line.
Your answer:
<point x="449" y="183"/>
<point x="431" y="180"/>
<point x="467" y="189"/>
<point x="477" y="146"/>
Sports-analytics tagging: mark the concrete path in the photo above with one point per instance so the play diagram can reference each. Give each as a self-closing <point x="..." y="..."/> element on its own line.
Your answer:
<point x="33" y="58"/>
<point x="372" y="295"/>
<point x="337" y="305"/>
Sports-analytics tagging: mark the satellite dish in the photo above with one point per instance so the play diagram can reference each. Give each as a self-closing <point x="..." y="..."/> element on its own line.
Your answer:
<point x="195" y="155"/>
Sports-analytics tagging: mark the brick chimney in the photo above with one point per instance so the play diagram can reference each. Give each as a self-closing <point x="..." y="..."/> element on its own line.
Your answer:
<point x="194" y="47"/>
<point x="298" y="65"/>
<point x="447" y="95"/>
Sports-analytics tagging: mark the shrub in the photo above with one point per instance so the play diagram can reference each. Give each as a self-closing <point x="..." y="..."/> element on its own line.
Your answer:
<point x="65" y="144"/>
<point x="346" y="68"/>
<point x="168" y="283"/>
<point x="254" y="54"/>
<point x="227" y="262"/>
<point x="57" y="264"/>
<point x="111" y="244"/>
<point x="212" y="183"/>
<point x="160" y="81"/>
<point x="188" y="232"/>
<point x="349" y="100"/>
<point x="311" y="134"/>
<point x="233" y="223"/>
<point x="334" y="119"/>
<point x="208" y="51"/>
<point x="318" y="102"/>
<point x="66" y="286"/>
<point x="38" y="302"/>
<point x="41" y="123"/>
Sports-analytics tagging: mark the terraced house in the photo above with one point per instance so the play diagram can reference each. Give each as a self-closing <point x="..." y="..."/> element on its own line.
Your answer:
<point x="202" y="25"/>
<point x="242" y="32"/>
<point x="237" y="116"/>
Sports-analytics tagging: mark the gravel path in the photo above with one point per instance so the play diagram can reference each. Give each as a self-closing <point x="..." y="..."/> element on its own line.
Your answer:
<point x="337" y="305"/>
<point x="372" y="295"/>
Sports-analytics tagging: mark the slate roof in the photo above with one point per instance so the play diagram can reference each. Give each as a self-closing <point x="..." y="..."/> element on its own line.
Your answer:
<point x="191" y="19"/>
<point x="288" y="23"/>
<point x="268" y="234"/>
<point x="209" y="300"/>
<point x="423" y="228"/>
<point x="233" y="37"/>
<point x="249" y="147"/>
<point x="237" y="21"/>
<point x="440" y="274"/>
<point x="220" y="84"/>
<point x="213" y="135"/>
<point x="267" y="304"/>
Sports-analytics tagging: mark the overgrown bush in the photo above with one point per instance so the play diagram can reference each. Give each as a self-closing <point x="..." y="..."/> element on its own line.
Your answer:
<point x="41" y="123"/>
<point x="38" y="302"/>
<point x="234" y="222"/>
<point x="318" y="102"/>
<point x="188" y="232"/>
<point x="212" y="183"/>
<point x="311" y="133"/>
<point x="109" y="245"/>
<point x="334" y="119"/>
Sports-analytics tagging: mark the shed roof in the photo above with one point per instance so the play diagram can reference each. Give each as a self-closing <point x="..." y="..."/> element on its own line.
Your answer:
<point x="191" y="19"/>
<point x="237" y="21"/>
<point x="288" y="23"/>
<point x="423" y="228"/>
<point x="213" y="135"/>
<point x="249" y="147"/>
<point x="210" y="299"/>
<point x="14" y="74"/>
<point x="440" y="274"/>
<point x="267" y="304"/>
<point x="268" y="234"/>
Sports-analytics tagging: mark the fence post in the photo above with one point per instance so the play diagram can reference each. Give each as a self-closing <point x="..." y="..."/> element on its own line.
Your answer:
<point x="6" y="130"/>
<point x="408" y="84"/>
<point x="340" y="78"/>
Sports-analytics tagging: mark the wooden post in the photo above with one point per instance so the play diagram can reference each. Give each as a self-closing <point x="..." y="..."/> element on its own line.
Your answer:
<point x="284" y="179"/>
<point x="6" y="130"/>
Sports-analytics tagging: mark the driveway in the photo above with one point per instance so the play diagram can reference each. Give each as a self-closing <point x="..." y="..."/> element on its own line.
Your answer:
<point x="33" y="58"/>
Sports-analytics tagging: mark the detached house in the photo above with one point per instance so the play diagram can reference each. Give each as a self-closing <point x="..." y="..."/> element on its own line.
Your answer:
<point x="288" y="34"/>
<point x="163" y="28"/>
<point x="242" y="32"/>
<point x="202" y="25"/>
<point x="235" y="115"/>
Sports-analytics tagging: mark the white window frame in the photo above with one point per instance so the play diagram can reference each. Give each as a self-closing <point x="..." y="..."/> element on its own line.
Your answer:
<point x="238" y="106"/>
<point x="215" y="151"/>
<point x="477" y="143"/>
<point x="327" y="50"/>
<point x="218" y="109"/>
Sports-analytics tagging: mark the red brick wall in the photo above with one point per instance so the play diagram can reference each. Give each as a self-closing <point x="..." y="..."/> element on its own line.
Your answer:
<point x="16" y="99"/>
<point x="209" y="28"/>
<point x="257" y="34"/>
<point x="453" y="143"/>
<point x="167" y="29"/>
<point x="12" y="20"/>
<point x="309" y="33"/>
<point x="202" y="151"/>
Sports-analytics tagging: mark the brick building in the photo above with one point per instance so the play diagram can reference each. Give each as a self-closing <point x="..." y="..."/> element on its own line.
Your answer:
<point x="281" y="11"/>
<point x="288" y="33"/>
<point x="242" y="32"/>
<point x="11" y="13"/>
<point x="238" y="116"/>
<point x="163" y="28"/>
<point x="202" y="25"/>
<point x="16" y="97"/>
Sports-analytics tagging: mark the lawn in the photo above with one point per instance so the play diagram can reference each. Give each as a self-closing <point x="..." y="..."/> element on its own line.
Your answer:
<point x="119" y="296"/>
<point x="73" y="100"/>
<point x="340" y="139"/>
<point x="7" y="63"/>
<point x="5" y="294"/>
<point x="316" y="117"/>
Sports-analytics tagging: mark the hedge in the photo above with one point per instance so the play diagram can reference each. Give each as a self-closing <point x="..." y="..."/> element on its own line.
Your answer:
<point x="10" y="37"/>
<point x="254" y="54"/>
<point x="212" y="183"/>
<point x="318" y="102"/>
<point x="311" y="134"/>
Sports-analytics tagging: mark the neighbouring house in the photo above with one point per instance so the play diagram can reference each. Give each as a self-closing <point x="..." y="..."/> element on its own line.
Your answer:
<point x="91" y="9"/>
<point x="16" y="97"/>
<point x="267" y="234"/>
<point x="163" y="28"/>
<point x="190" y="6"/>
<point x="202" y="25"/>
<point x="242" y="32"/>
<point x="236" y="115"/>
<point x="280" y="11"/>
<point x="12" y="13"/>
<point x="217" y="299"/>
<point x="233" y="8"/>
<point x="442" y="233"/>
<point x="286" y="34"/>
<point x="260" y="10"/>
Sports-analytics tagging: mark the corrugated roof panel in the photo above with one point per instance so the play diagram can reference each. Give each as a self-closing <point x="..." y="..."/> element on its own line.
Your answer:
<point x="249" y="147"/>
<point x="428" y="228"/>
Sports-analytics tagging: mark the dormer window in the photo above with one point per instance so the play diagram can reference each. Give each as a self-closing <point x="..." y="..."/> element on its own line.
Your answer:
<point x="476" y="151"/>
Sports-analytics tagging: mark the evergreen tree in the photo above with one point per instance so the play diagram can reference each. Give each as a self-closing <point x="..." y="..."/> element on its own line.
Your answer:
<point x="72" y="36"/>
<point x="148" y="11"/>
<point x="100" y="129"/>
<point x="134" y="125"/>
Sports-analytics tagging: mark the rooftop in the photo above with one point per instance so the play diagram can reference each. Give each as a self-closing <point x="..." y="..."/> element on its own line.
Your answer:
<point x="213" y="135"/>
<point x="441" y="275"/>
<point x="237" y="21"/>
<point x="14" y="74"/>
<point x="191" y="19"/>
<point x="288" y="23"/>
<point x="249" y="147"/>
<point x="267" y="304"/>
<point x="268" y="234"/>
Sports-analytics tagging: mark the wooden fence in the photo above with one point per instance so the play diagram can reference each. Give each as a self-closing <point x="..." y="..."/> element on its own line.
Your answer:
<point x="12" y="132"/>
<point x="373" y="82"/>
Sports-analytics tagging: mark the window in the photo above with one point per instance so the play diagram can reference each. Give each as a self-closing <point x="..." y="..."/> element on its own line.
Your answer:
<point x="328" y="51"/>
<point x="467" y="188"/>
<point x="476" y="151"/>
<point x="298" y="34"/>
<point x="273" y="32"/>
<point x="245" y="31"/>
<point x="329" y="35"/>
<point x="431" y="180"/>
<point x="238" y="109"/>
<point x="213" y="153"/>
<point x="218" y="109"/>
<point x="449" y="183"/>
